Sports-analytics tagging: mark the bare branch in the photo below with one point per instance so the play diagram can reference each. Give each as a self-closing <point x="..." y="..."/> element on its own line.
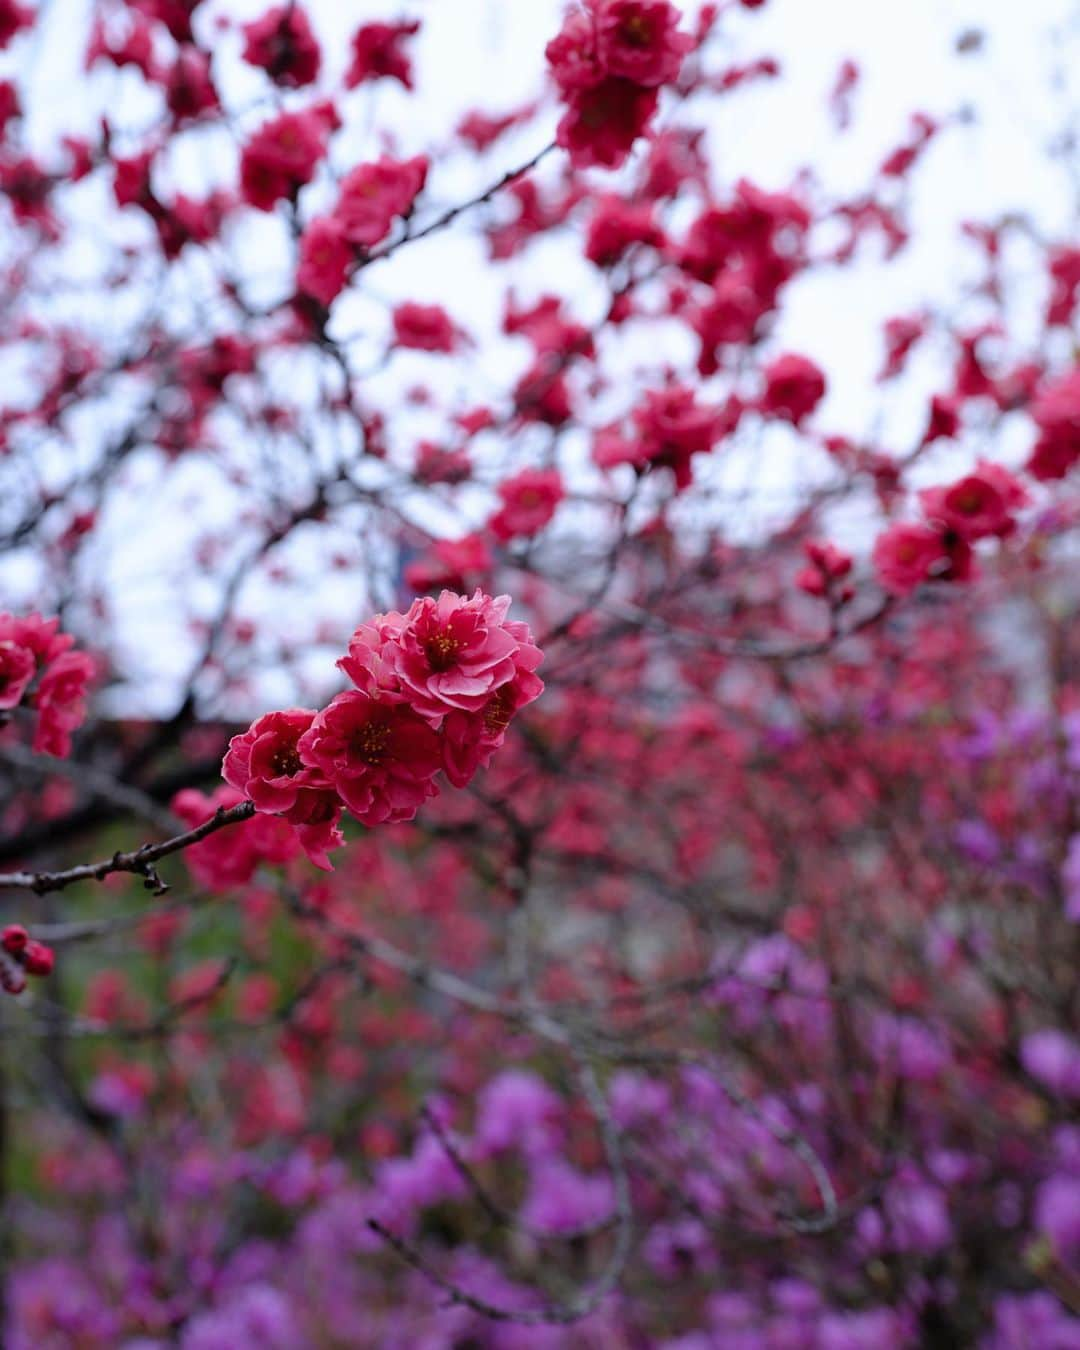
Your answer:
<point x="141" y="861"/>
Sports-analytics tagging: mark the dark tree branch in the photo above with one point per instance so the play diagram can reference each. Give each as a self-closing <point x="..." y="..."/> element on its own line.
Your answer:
<point x="141" y="861"/>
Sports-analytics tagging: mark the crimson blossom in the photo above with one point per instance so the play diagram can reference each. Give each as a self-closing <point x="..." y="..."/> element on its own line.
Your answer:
<point x="38" y="668"/>
<point x="377" y="749"/>
<point x="354" y="994"/>
<point x="609" y="60"/>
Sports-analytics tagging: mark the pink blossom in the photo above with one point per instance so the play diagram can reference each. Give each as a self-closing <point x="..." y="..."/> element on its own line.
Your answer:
<point x="131" y="179"/>
<point x="282" y="156"/>
<point x="978" y="505"/>
<point x="944" y="420"/>
<point x="905" y="556"/>
<point x="672" y="426"/>
<point x="189" y="85"/>
<point x="377" y="53"/>
<point x="13" y="19"/>
<point x="456" y="564"/>
<point x="434" y="464"/>
<point x="229" y="856"/>
<point x="379" y="755"/>
<point x="60" y="701"/>
<point x="281" y="43"/>
<point x="314" y="816"/>
<point x="264" y="764"/>
<point x="794" y="386"/>
<point x="372" y="195"/>
<point x="425" y="328"/>
<point x="639" y="40"/>
<point x="470" y="739"/>
<point x="454" y="653"/>
<point x="571" y="55"/>
<point x="730" y="315"/>
<point x="1056" y="412"/>
<point x="616" y="225"/>
<point x="529" y="501"/>
<point x="17" y="669"/>
<point x="325" y="258"/>
<point x="828" y="565"/>
<point x="1063" y="265"/>
<point x="902" y="332"/>
<point x="602" y="123"/>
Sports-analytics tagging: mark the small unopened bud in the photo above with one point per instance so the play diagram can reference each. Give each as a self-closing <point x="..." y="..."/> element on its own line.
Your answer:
<point x="38" y="959"/>
<point x="14" y="938"/>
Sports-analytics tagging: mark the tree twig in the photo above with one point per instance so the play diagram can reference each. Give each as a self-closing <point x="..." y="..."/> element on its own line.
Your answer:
<point x="140" y="861"/>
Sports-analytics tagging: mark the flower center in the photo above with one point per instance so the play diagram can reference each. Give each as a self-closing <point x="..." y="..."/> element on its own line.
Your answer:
<point x="598" y="111"/>
<point x="441" y="650"/>
<point x="370" y="742"/>
<point x="635" y="32"/>
<point x="286" y="762"/>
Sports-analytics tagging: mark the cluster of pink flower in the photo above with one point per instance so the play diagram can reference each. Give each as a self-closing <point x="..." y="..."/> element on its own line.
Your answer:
<point x="283" y="154"/>
<point x="21" y="955"/>
<point x="39" y="669"/>
<point x="1056" y="412"/>
<point x="435" y="690"/>
<point x="529" y="500"/>
<point x="370" y="198"/>
<point x="13" y="18"/>
<point x="737" y="256"/>
<point x="609" y="61"/>
<point x="282" y="43"/>
<point x="377" y="53"/>
<point x="981" y="504"/>
<point x="230" y="857"/>
<point x="824" y="575"/>
<point x="794" y="386"/>
<point x="668" y="428"/>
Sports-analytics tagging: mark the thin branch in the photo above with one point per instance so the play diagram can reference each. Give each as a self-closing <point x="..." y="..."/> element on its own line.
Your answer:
<point x="141" y="861"/>
<point x="440" y="222"/>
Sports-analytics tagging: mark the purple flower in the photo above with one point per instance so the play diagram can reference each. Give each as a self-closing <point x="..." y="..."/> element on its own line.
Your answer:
<point x="1053" y="1059"/>
<point x="917" y="1215"/>
<point x="518" y="1110"/>
<point x="259" y="1315"/>
<point x="977" y="841"/>
<point x="405" y="1186"/>
<point x="907" y="1047"/>
<point x="874" y="1329"/>
<point x="1032" y="1322"/>
<point x="1057" y="1214"/>
<point x="636" y="1099"/>
<point x="562" y="1199"/>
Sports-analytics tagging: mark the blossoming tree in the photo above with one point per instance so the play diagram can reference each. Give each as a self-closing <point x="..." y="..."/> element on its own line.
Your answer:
<point x="470" y="875"/>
